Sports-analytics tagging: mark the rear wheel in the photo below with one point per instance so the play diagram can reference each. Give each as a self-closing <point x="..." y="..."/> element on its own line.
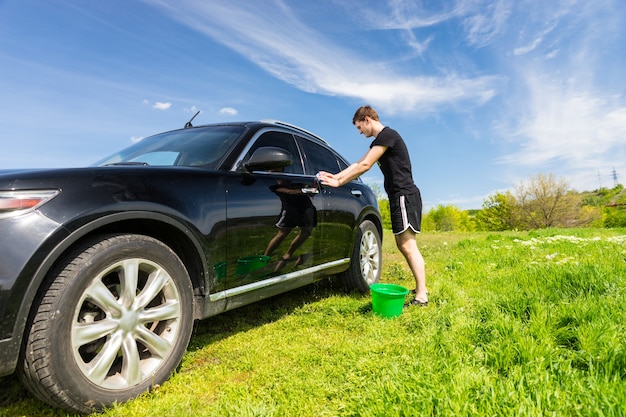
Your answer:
<point x="114" y="321"/>
<point x="366" y="259"/>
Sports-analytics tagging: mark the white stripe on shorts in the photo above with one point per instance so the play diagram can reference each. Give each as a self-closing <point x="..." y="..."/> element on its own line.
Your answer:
<point x="405" y="218"/>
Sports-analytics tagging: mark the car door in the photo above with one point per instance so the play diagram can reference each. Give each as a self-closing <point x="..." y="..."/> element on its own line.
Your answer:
<point x="272" y="225"/>
<point x="340" y="205"/>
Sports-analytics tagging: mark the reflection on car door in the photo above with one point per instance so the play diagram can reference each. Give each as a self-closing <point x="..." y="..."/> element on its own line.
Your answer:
<point x="272" y="221"/>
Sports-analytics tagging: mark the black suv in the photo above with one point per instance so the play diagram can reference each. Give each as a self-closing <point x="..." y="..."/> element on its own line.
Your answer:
<point x="104" y="269"/>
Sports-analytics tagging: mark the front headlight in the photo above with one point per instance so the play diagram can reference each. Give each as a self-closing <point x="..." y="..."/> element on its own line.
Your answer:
<point x="14" y="203"/>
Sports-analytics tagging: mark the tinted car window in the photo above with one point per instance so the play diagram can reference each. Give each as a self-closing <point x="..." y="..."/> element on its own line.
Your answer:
<point x="279" y="140"/>
<point x="203" y="146"/>
<point x="342" y="164"/>
<point x="318" y="158"/>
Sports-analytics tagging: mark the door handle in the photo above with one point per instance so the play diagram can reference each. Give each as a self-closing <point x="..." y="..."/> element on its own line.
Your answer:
<point x="356" y="193"/>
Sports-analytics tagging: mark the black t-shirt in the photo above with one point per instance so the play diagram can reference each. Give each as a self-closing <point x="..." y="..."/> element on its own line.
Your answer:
<point x="395" y="163"/>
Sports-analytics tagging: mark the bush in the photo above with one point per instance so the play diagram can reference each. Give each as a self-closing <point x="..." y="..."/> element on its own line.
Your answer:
<point x="385" y="213"/>
<point x="614" y="217"/>
<point x="447" y="219"/>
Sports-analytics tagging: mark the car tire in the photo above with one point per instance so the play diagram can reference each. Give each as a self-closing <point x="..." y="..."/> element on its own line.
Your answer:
<point x="366" y="259"/>
<point x="113" y="321"/>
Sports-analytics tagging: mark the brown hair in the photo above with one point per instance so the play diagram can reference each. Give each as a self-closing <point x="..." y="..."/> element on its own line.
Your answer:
<point x="363" y="112"/>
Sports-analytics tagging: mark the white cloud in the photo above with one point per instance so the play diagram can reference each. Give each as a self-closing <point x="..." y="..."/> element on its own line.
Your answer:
<point x="407" y="15"/>
<point x="552" y="54"/>
<point x="419" y="47"/>
<point x="162" y="106"/>
<point x="486" y="20"/>
<point x="570" y="131"/>
<point x="566" y="116"/>
<point x="228" y="111"/>
<point x="526" y="49"/>
<point x="276" y="40"/>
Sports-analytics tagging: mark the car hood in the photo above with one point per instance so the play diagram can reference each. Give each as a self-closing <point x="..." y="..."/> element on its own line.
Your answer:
<point x="6" y="174"/>
<point x="16" y="170"/>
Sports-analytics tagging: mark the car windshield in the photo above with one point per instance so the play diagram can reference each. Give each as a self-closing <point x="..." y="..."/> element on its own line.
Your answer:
<point x="201" y="146"/>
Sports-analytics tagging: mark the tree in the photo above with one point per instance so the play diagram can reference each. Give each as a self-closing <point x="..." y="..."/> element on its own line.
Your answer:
<point x="545" y="201"/>
<point x="498" y="213"/>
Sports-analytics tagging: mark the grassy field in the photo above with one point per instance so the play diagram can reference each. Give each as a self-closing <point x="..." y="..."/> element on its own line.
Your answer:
<point x="519" y="324"/>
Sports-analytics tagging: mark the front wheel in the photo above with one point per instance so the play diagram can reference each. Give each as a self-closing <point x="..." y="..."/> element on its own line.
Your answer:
<point x="366" y="259"/>
<point x="114" y="321"/>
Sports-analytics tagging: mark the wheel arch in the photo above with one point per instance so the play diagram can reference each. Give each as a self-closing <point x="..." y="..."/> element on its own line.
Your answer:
<point x="372" y="214"/>
<point x="166" y="229"/>
<point x="368" y="213"/>
<point x="170" y="231"/>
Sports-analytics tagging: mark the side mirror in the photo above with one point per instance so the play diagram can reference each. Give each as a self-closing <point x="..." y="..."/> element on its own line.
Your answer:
<point x="268" y="158"/>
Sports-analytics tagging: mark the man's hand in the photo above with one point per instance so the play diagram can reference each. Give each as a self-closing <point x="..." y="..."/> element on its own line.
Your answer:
<point x="353" y="171"/>
<point x="326" y="178"/>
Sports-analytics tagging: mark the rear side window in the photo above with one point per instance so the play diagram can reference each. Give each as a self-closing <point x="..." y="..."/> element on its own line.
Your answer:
<point x="318" y="158"/>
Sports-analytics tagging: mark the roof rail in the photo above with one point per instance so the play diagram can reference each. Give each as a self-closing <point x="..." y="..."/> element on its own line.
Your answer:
<point x="279" y="123"/>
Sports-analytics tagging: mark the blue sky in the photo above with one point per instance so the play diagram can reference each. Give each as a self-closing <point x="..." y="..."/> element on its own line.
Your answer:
<point x="485" y="93"/>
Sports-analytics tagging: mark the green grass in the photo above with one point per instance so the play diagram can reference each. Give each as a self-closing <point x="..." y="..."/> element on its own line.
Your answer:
<point x="519" y="323"/>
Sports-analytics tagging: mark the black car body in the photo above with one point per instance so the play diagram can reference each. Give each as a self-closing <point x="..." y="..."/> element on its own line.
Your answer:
<point x="104" y="269"/>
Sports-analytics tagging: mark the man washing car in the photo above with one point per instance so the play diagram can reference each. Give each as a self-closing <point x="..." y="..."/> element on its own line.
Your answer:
<point x="389" y="150"/>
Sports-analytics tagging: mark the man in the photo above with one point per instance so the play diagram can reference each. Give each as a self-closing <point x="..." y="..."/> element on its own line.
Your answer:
<point x="389" y="150"/>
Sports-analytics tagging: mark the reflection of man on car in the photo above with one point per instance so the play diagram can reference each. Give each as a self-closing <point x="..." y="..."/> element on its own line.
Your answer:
<point x="297" y="211"/>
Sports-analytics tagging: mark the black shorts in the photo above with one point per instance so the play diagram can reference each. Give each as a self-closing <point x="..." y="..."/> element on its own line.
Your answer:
<point x="406" y="211"/>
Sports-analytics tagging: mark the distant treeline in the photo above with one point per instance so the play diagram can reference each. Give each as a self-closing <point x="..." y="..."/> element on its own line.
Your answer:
<point x="541" y="202"/>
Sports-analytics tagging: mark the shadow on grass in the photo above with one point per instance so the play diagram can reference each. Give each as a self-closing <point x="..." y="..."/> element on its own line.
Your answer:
<point x="12" y="391"/>
<point x="266" y="311"/>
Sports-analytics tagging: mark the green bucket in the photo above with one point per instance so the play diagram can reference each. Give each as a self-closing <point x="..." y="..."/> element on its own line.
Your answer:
<point x="220" y="270"/>
<point x="249" y="264"/>
<point x="388" y="299"/>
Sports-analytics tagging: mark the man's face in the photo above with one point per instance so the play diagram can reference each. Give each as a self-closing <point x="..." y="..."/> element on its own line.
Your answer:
<point x="364" y="127"/>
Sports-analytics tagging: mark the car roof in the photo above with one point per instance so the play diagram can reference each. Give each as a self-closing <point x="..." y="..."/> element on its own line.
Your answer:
<point x="259" y="124"/>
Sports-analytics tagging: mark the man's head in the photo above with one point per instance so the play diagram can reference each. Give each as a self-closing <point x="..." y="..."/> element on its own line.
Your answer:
<point x="363" y="112"/>
<point x="366" y="120"/>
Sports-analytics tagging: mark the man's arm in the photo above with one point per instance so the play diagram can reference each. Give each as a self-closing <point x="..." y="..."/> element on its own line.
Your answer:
<point x="355" y="170"/>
